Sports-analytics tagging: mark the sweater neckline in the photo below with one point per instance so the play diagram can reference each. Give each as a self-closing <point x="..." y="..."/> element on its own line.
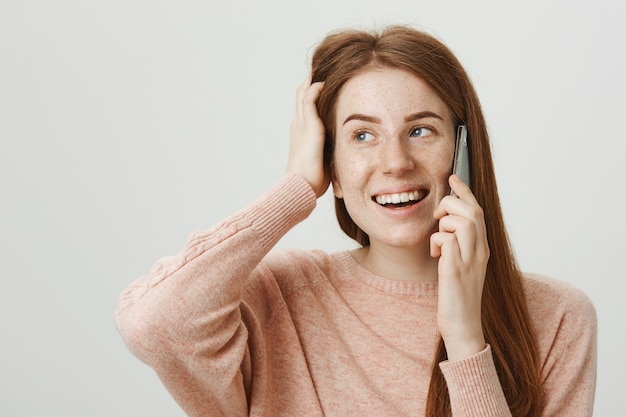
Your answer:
<point x="390" y="286"/>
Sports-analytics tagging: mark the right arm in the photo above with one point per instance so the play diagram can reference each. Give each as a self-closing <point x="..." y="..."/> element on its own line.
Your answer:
<point x="184" y="318"/>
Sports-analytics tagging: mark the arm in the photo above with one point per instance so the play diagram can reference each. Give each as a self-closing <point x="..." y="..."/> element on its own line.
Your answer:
<point x="463" y="251"/>
<point x="184" y="318"/>
<point x="474" y="386"/>
<point x="564" y="319"/>
<point x="462" y="248"/>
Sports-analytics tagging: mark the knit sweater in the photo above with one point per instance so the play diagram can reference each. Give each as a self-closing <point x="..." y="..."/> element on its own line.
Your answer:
<point x="234" y="327"/>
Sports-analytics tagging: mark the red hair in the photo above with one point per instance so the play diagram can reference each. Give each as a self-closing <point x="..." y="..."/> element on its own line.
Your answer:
<point x="506" y="323"/>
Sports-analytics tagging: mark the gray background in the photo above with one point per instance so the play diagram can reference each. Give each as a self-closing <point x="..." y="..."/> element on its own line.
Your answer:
<point x="125" y="125"/>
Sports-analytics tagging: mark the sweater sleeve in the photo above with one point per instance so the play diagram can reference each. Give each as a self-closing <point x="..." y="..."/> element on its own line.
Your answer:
<point x="566" y="328"/>
<point x="569" y="339"/>
<point x="184" y="317"/>
<point x="474" y="386"/>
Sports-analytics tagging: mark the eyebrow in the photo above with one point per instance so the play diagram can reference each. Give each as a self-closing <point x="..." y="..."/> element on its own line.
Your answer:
<point x="409" y="118"/>
<point x="422" y="115"/>
<point x="363" y="117"/>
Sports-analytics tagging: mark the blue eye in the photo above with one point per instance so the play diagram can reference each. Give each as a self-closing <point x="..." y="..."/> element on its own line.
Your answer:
<point x="419" y="132"/>
<point x="364" y="137"/>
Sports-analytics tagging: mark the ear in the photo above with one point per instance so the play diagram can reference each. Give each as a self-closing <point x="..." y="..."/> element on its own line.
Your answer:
<point x="336" y="187"/>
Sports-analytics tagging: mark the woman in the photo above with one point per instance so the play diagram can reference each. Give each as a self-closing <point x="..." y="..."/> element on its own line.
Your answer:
<point x="430" y="316"/>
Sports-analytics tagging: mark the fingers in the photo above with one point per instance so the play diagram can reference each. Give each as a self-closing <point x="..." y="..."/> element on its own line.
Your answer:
<point x="463" y="194"/>
<point x="309" y="102"/>
<point x="459" y="235"/>
<point x="463" y="251"/>
<point x="444" y="244"/>
<point x="300" y="93"/>
<point x="461" y="224"/>
<point x="461" y="190"/>
<point x="307" y="137"/>
<point x="306" y="98"/>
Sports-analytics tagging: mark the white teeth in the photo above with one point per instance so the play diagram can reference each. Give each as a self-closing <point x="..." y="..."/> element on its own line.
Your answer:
<point x="398" y="198"/>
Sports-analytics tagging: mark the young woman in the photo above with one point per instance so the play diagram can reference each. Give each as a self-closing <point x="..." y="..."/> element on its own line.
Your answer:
<point x="429" y="317"/>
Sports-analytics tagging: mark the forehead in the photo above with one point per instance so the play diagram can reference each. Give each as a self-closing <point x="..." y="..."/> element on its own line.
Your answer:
<point x="388" y="92"/>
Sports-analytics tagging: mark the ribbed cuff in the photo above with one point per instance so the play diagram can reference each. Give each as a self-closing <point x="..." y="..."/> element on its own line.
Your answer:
<point x="286" y="204"/>
<point x="474" y="386"/>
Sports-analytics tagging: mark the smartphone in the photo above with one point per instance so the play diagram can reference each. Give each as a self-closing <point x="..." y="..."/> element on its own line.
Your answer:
<point x="460" y="165"/>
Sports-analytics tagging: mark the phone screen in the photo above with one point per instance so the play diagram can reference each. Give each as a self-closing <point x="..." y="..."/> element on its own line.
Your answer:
<point x="460" y="165"/>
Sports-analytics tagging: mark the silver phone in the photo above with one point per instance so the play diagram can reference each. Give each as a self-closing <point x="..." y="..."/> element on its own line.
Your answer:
<point x="461" y="166"/>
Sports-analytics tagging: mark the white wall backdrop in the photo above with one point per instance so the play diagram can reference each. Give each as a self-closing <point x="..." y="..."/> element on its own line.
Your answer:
<point x="126" y="124"/>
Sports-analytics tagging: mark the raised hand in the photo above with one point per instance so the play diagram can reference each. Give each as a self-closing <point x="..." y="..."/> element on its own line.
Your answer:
<point x="307" y="135"/>
<point x="463" y="251"/>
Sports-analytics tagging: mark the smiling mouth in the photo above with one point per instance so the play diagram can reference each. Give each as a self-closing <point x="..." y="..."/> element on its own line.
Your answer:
<point x="398" y="200"/>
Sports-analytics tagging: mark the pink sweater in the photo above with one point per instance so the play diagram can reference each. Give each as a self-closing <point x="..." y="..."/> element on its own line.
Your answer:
<point x="235" y="329"/>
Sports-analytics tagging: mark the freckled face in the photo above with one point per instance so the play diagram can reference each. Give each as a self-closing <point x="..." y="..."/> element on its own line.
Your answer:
<point x="393" y="155"/>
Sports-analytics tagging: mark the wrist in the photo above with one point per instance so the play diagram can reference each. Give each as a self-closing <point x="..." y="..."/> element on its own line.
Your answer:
<point x="463" y="348"/>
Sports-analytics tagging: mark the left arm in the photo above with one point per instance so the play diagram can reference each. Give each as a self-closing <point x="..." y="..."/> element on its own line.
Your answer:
<point x="566" y="326"/>
<point x="463" y="251"/>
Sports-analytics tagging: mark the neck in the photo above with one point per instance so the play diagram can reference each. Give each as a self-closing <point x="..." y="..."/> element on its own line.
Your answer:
<point x="400" y="264"/>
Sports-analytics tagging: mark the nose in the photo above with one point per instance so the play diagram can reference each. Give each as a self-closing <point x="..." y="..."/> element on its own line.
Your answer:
<point x="396" y="158"/>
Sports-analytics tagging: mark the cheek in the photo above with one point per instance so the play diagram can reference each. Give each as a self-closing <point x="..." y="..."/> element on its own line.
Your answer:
<point x="444" y="168"/>
<point x="346" y="172"/>
<point x="436" y="162"/>
<point x="341" y="179"/>
<point x="443" y="165"/>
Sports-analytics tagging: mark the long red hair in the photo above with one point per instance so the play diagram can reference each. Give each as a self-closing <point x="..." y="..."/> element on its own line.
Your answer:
<point x="506" y="323"/>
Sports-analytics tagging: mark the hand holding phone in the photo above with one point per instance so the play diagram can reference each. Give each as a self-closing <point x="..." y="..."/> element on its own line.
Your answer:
<point x="461" y="166"/>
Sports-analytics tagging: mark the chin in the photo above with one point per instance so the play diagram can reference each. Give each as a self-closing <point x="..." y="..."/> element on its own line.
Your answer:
<point x="404" y="240"/>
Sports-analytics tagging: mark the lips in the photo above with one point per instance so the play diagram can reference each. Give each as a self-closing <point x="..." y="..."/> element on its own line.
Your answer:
<point x="400" y="199"/>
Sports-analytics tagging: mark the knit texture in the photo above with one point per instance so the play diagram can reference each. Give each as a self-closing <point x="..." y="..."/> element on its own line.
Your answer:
<point x="234" y="328"/>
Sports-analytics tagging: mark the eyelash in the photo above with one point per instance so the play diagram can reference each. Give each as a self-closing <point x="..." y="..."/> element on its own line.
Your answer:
<point x="361" y="132"/>
<point x="430" y="129"/>
<point x="411" y="132"/>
